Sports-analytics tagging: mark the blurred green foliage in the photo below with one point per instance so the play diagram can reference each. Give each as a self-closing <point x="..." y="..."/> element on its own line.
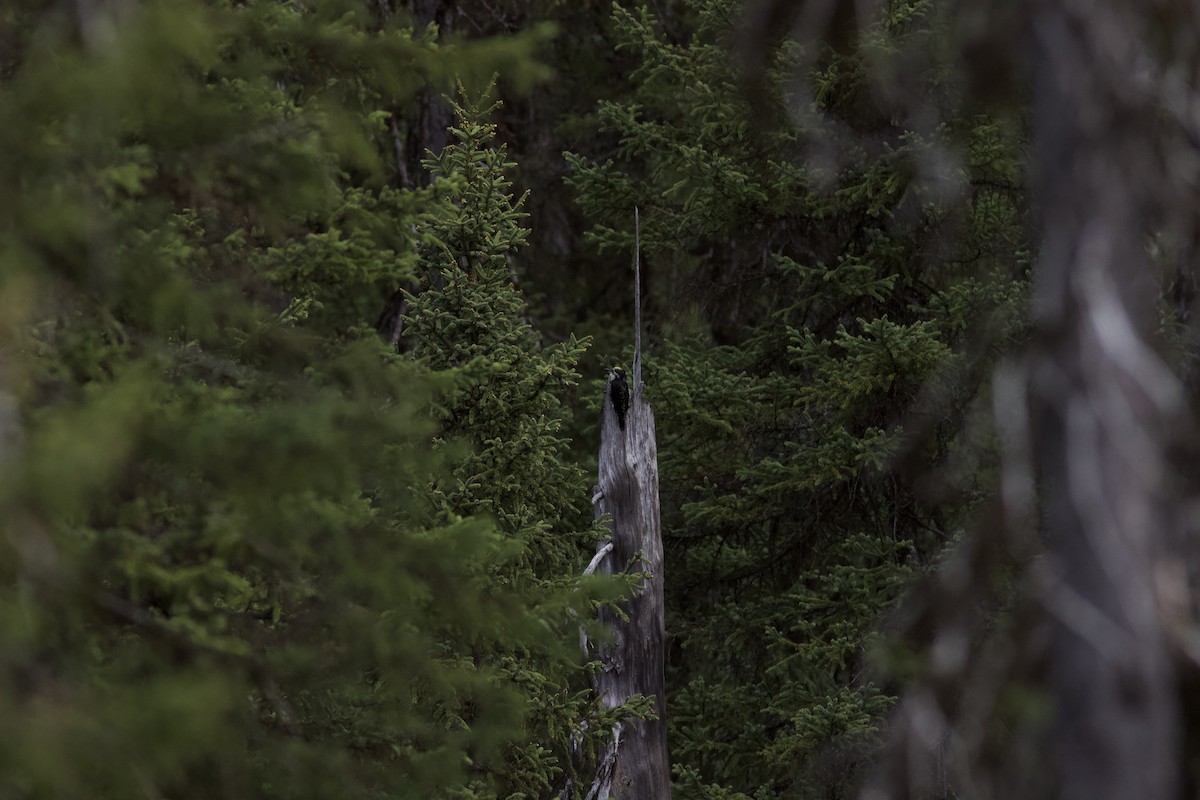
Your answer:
<point x="225" y="574"/>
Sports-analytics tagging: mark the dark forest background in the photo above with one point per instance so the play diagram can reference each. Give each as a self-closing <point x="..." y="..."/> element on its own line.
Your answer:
<point x="305" y="314"/>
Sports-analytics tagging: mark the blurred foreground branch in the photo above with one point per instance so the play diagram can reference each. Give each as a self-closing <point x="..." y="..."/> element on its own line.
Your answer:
<point x="1091" y="421"/>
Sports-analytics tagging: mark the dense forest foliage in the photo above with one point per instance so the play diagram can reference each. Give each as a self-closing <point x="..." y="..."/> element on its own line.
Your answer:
<point x="305" y="316"/>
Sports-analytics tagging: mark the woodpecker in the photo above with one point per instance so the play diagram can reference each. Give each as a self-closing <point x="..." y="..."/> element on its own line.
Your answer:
<point x="618" y="392"/>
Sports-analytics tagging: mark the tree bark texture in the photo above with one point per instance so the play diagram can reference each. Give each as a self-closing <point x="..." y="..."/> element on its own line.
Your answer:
<point x="1103" y="406"/>
<point x="635" y="765"/>
<point x="10" y="421"/>
<point x="427" y="128"/>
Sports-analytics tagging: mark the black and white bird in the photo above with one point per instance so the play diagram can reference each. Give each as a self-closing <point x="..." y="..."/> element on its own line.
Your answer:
<point x="618" y="392"/>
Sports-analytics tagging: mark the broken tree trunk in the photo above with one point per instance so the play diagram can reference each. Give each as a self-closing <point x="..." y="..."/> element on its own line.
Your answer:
<point x="634" y="766"/>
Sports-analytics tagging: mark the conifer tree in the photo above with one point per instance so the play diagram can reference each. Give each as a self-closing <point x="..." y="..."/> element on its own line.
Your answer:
<point x="221" y="576"/>
<point x="819" y="311"/>
<point x="470" y="322"/>
<point x="470" y="316"/>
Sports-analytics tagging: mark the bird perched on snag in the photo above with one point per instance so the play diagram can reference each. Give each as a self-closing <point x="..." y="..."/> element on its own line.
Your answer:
<point x="618" y="392"/>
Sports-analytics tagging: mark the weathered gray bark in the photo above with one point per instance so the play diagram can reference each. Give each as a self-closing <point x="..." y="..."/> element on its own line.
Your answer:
<point x="1100" y="414"/>
<point x="1104" y="405"/>
<point x="635" y="765"/>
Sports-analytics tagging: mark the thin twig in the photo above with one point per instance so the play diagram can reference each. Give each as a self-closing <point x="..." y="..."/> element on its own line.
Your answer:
<point x="637" y="302"/>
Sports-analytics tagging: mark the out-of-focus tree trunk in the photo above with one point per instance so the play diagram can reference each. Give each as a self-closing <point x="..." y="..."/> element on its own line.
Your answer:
<point x="1104" y="406"/>
<point x="1090" y="419"/>
<point x="10" y="419"/>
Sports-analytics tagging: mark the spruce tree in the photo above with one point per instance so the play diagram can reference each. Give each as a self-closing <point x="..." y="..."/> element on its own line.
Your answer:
<point x="505" y="402"/>
<point x="221" y="573"/>
<point x="469" y="316"/>
<point x="815" y="306"/>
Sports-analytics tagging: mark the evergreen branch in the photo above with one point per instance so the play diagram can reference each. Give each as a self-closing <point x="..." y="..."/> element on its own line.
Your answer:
<point x="183" y="644"/>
